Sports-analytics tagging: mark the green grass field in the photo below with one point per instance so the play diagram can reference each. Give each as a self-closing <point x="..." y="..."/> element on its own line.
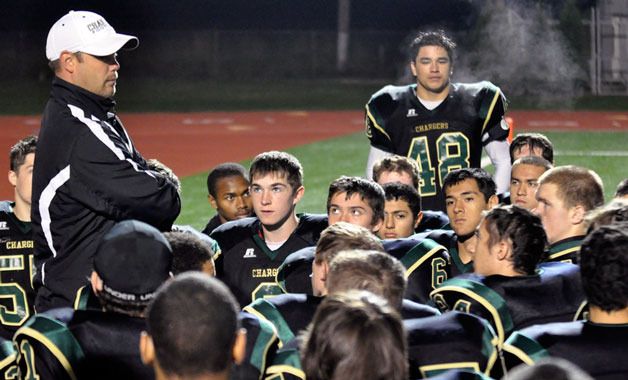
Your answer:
<point x="135" y="95"/>
<point x="604" y="152"/>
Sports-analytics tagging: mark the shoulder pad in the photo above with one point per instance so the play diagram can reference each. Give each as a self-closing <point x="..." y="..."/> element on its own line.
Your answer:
<point x="230" y="233"/>
<point x="384" y="102"/>
<point x="5" y="206"/>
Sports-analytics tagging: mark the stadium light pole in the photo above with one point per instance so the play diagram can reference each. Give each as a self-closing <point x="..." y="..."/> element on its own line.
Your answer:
<point x="344" y="18"/>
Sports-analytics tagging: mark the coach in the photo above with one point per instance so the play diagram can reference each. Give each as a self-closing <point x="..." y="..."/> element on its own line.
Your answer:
<point x="87" y="175"/>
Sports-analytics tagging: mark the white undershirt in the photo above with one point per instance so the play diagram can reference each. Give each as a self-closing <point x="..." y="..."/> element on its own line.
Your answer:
<point x="273" y="246"/>
<point x="430" y="104"/>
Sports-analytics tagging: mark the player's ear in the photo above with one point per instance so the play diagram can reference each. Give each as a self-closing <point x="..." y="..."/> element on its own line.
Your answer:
<point x="419" y="217"/>
<point x="212" y="201"/>
<point x="577" y="214"/>
<point x="504" y="249"/>
<point x="413" y="68"/>
<point x="96" y="282"/>
<point x="377" y="226"/>
<point x="147" y="349"/>
<point x="492" y="202"/>
<point x="298" y="194"/>
<point x="239" y="346"/>
<point x="12" y="178"/>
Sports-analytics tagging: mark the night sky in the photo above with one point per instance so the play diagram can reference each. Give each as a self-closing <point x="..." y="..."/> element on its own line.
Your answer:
<point x="131" y="15"/>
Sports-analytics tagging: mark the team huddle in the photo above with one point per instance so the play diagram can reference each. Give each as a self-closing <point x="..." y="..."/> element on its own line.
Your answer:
<point x="427" y="267"/>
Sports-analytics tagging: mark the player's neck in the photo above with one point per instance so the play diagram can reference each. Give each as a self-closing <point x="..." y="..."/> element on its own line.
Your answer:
<point x="575" y="230"/>
<point x="430" y="96"/>
<point x="464" y="253"/>
<point x="22" y="210"/>
<point x="277" y="234"/>
<point x="617" y="317"/>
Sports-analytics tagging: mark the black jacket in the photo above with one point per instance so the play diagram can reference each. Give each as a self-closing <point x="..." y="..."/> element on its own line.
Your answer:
<point x="87" y="176"/>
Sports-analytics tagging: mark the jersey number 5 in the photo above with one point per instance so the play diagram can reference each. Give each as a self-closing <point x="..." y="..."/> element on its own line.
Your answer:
<point x="14" y="294"/>
<point x="452" y="150"/>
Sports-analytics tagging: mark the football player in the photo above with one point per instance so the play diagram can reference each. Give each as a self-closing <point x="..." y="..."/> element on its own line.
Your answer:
<point x="253" y="248"/>
<point x="402" y="169"/>
<point x="597" y="345"/>
<point x="508" y="287"/>
<point x="193" y="330"/>
<point x="565" y="195"/>
<point x="132" y="260"/>
<point x="361" y="202"/>
<point x="469" y="192"/>
<point x="16" y="236"/>
<point x="402" y="211"/>
<point x="531" y="144"/>
<point x="228" y="188"/>
<point x="524" y="180"/>
<point x="355" y="335"/>
<point x="441" y="125"/>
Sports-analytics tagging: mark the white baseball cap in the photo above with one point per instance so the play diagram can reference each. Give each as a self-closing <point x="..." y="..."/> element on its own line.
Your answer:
<point x="86" y="32"/>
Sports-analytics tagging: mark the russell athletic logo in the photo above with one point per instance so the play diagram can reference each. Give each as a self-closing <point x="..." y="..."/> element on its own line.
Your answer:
<point x="250" y="252"/>
<point x="411" y="112"/>
<point x="3" y="226"/>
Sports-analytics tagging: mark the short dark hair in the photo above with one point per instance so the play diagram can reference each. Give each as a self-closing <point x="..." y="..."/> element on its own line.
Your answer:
<point x="534" y="161"/>
<point x="193" y="322"/>
<point x="20" y="150"/>
<point x="613" y="212"/>
<point x="280" y="163"/>
<point x="375" y="271"/>
<point x="533" y="140"/>
<point x="355" y="335"/>
<point x="369" y="191"/>
<point x="524" y="230"/>
<point x="576" y="186"/>
<point x="343" y="236"/>
<point x="189" y="253"/>
<point x="604" y="267"/>
<point x="397" y="164"/>
<point x="622" y="188"/>
<point x="227" y="169"/>
<point x="485" y="182"/>
<point x="432" y="38"/>
<point x="400" y="191"/>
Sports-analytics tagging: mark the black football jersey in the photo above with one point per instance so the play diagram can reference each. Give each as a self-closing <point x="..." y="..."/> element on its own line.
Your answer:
<point x="452" y="340"/>
<point x="554" y="294"/>
<point x="598" y="349"/>
<point x="247" y="266"/>
<point x="261" y="346"/>
<point x="8" y="363"/>
<point x="566" y="251"/>
<point x="446" y="138"/>
<point x="294" y="274"/>
<point x="289" y="313"/>
<point x="433" y="220"/>
<point x="16" y="271"/>
<point x="212" y="224"/>
<point x="83" y="344"/>
<point x="286" y="364"/>
<point x="449" y="240"/>
<point x="426" y="264"/>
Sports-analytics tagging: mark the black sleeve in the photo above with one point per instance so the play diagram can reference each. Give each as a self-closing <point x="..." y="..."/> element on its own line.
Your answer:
<point x="377" y="110"/>
<point x="492" y="107"/>
<point x="112" y="182"/>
